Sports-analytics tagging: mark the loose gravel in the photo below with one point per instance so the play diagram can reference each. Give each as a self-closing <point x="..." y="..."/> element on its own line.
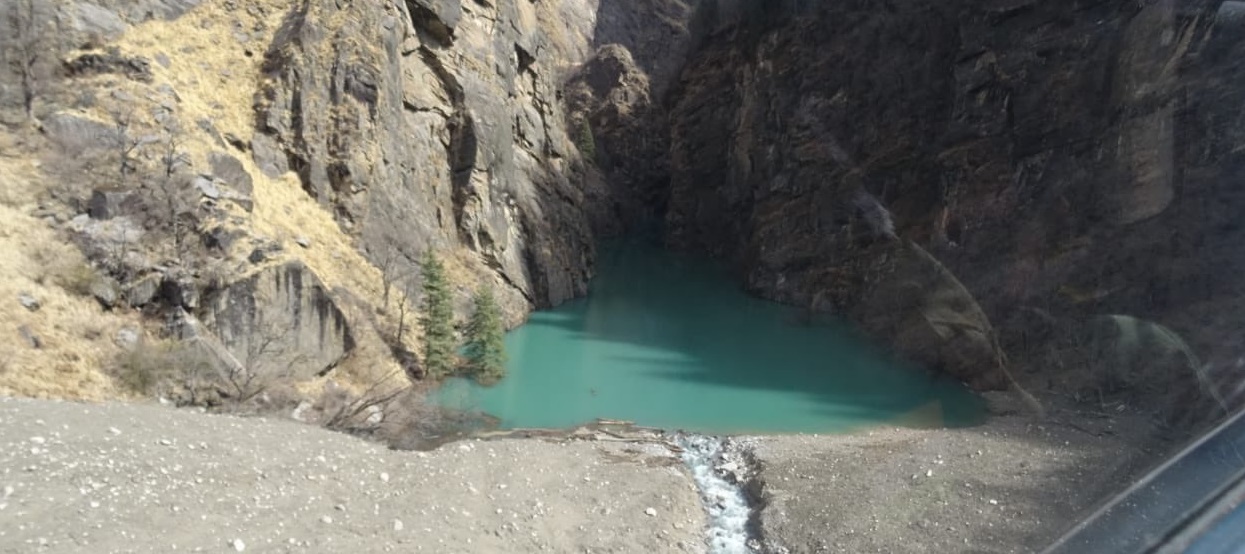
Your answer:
<point x="143" y="478"/>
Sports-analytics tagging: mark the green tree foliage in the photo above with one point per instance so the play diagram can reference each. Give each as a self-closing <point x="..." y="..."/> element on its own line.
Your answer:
<point x="587" y="143"/>
<point x="437" y="318"/>
<point x="486" y="350"/>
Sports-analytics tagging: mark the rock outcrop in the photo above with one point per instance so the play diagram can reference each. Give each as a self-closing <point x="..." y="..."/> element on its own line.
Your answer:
<point x="942" y="173"/>
<point x="618" y="104"/>
<point x="1036" y="149"/>
<point x="280" y="322"/>
<point x="435" y="124"/>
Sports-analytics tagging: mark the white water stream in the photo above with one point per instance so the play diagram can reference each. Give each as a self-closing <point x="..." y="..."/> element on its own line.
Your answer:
<point x="727" y="506"/>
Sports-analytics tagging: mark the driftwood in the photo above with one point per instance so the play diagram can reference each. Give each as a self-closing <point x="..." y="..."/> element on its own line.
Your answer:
<point x="603" y="430"/>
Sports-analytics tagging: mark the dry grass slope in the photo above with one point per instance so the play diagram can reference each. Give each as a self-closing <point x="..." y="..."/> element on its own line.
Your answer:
<point x="217" y="81"/>
<point x="76" y="336"/>
<point x="215" y="77"/>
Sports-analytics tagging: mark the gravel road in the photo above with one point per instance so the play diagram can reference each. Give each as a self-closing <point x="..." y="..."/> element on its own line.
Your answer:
<point x="145" y="478"/>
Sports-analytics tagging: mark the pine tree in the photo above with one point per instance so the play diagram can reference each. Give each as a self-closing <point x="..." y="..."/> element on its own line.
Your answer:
<point x="486" y="350"/>
<point x="587" y="143"/>
<point x="437" y="318"/>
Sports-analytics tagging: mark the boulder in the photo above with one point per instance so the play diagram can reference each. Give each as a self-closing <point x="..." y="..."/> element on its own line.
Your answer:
<point x="127" y="338"/>
<point x="106" y="291"/>
<point x="221" y="238"/>
<point x="228" y="169"/>
<point x="28" y="301"/>
<point x="143" y="291"/>
<point x="280" y="321"/>
<point x="207" y="187"/>
<point x="32" y="340"/>
<point x="268" y="155"/>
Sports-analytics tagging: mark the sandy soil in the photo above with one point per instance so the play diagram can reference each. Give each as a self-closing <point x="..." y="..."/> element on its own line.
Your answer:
<point x="1012" y="485"/>
<point x="142" y="478"/>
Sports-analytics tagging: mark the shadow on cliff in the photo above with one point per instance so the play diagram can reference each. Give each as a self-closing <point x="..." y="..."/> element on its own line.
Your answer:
<point x="688" y="322"/>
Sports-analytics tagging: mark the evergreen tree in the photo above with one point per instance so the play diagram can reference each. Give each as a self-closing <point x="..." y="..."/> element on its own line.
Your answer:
<point x="437" y="318"/>
<point x="486" y="350"/>
<point x="587" y="143"/>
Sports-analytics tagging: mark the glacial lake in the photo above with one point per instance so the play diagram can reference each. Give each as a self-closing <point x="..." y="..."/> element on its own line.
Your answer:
<point x="671" y="342"/>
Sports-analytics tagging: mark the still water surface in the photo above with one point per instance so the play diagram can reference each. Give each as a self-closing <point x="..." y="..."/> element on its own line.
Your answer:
<point x="666" y="341"/>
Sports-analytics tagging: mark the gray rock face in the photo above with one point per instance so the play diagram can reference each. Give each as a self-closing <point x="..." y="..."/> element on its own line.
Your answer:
<point x="443" y="132"/>
<point x="268" y="155"/>
<point x="1032" y="152"/>
<point x="228" y="169"/>
<point x="142" y="291"/>
<point x="930" y="317"/>
<point x="280" y="322"/>
<point x="106" y="291"/>
<point x="106" y="204"/>
<point x="617" y="104"/>
<point x="622" y="130"/>
<point x="76" y="133"/>
<point x="134" y="11"/>
<point x="91" y="19"/>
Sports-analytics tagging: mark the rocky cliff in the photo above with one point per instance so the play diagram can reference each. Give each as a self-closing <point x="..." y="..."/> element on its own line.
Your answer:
<point x="981" y="184"/>
<point x="1062" y="159"/>
<point x="241" y="163"/>
<point x="435" y="123"/>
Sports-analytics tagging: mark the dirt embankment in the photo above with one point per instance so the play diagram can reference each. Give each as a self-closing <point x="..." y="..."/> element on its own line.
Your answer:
<point x="1014" y="484"/>
<point x="138" y="478"/>
<point x="143" y="478"/>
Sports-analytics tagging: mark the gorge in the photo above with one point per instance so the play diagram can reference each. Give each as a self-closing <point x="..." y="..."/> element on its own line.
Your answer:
<point x="1010" y="218"/>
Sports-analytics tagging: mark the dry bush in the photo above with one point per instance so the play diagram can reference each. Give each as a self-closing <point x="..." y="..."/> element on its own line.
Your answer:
<point x="169" y="368"/>
<point x="412" y="422"/>
<point x="278" y="397"/>
<point x="147" y="367"/>
<point x="74" y="276"/>
<point x="28" y="47"/>
<point x="343" y="410"/>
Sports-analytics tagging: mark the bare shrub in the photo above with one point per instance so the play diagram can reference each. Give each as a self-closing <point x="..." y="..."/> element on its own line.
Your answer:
<point x="344" y="411"/>
<point x="169" y="368"/>
<point x="30" y="48"/>
<point x="264" y="363"/>
<point x="391" y="264"/>
<point x="279" y="396"/>
<point x="76" y="277"/>
<point x="412" y="422"/>
<point x="147" y="366"/>
<point x="173" y="197"/>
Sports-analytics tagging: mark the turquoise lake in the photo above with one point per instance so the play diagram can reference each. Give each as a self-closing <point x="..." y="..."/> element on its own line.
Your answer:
<point x="666" y="341"/>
